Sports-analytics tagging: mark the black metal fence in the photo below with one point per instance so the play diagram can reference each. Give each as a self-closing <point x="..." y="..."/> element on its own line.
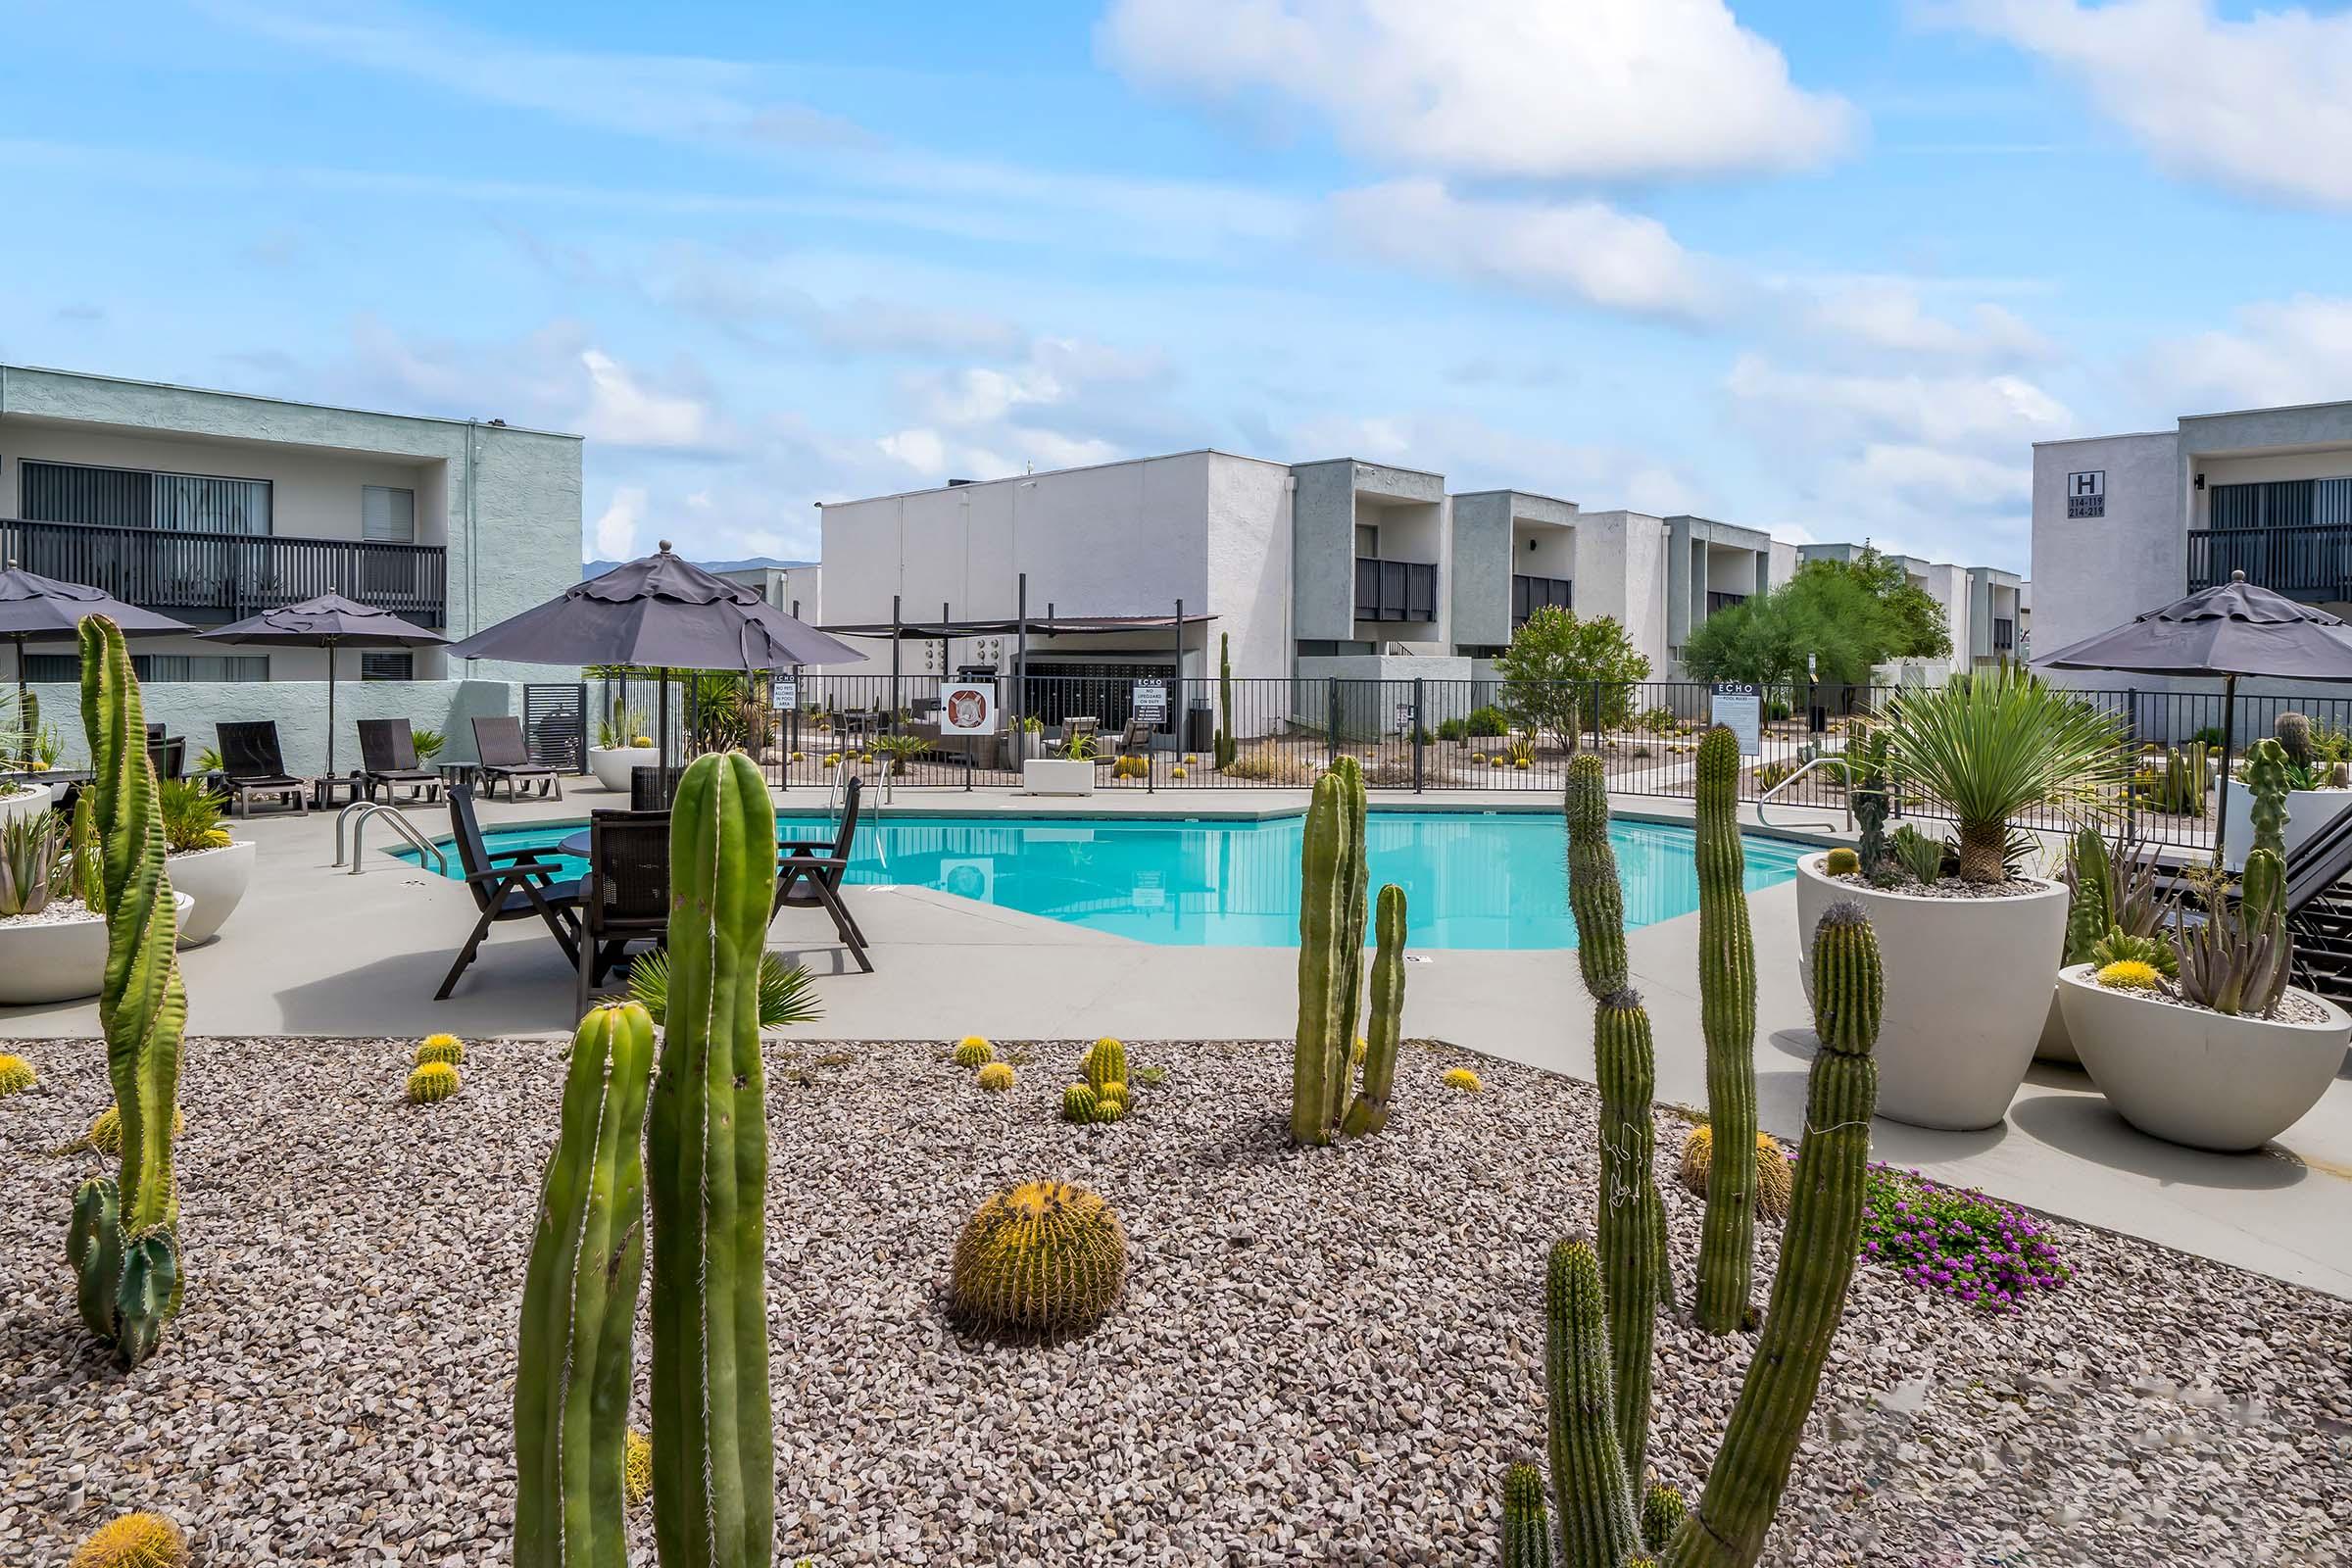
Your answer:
<point x="1424" y="736"/>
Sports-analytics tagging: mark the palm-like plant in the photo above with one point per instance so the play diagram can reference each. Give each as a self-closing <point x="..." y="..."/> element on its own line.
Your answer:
<point x="787" y="994"/>
<point x="1998" y="744"/>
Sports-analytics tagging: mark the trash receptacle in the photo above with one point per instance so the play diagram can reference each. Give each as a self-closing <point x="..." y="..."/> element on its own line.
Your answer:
<point x="1200" y="726"/>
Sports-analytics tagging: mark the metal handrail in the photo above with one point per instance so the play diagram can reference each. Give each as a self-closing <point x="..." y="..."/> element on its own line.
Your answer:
<point x="367" y="811"/>
<point x="1836" y="760"/>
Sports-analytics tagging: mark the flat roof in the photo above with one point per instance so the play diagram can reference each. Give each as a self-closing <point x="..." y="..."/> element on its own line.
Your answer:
<point x="999" y="625"/>
<point x="1047" y="473"/>
<point x="249" y="397"/>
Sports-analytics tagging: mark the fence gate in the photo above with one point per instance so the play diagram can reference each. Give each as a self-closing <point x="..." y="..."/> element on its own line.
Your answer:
<point x="554" y="725"/>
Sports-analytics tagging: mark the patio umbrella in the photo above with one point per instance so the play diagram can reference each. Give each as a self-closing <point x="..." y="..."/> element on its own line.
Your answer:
<point x="2232" y="630"/>
<point x="329" y="621"/>
<point x="33" y="606"/>
<point x="663" y="611"/>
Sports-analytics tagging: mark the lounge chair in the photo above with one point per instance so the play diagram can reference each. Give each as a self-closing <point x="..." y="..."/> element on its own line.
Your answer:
<point x="822" y="863"/>
<point x="170" y="756"/>
<point x="1134" y="741"/>
<point x="1071" y="730"/>
<point x="507" y="885"/>
<point x="251" y="765"/>
<point x="499" y="747"/>
<point x="388" y="762"/>
<point x="625" y="895"/>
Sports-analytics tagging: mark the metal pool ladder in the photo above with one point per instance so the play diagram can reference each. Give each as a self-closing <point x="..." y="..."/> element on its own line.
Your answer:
<point x="358" y="814"/>
<point x="1836" y="759"/>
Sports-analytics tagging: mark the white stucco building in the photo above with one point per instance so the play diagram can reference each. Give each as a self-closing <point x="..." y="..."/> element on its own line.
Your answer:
<point x="1983" y="609"/>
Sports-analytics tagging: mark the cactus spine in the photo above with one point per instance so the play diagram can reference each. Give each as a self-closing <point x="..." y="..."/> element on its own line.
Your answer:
<point x="1587" y="1470"/>
<point x="1370" y="1111"/>
<point x="1595" y="896"/>
<point x="1727" y="976"/>
<point x="2266" y="782"/>
<point x="124" y="1242"/>
<point x="1526" y="1527"/>
<point x="706" y="1153"/>
<point x="579" y="1304"/>
<point x="1331" y="952"/>
<point x="1226" y="746"/>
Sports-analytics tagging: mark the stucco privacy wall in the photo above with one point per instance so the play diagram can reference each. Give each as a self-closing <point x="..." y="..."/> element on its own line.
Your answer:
<point x="509" y="498"/>
<point x="299" y="709"/>
<point x="2134" y="559"/>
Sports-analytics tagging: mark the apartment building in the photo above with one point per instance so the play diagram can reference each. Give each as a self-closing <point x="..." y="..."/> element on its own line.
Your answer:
<point x="1984" y="608"/>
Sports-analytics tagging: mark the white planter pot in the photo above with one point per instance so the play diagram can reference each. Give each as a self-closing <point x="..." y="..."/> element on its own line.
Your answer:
<point x="2056" y="1045"/>
<point x="1968" y="992"/>
<point x="2200" y="1078"/>
<point x="2306" y="812"/>
<point x="216" y="879"/>
<point x="26" y="803"/>
<point x="611" y="765"/>
<point x="1045" y="775"/>
<point x="53" y="960"/>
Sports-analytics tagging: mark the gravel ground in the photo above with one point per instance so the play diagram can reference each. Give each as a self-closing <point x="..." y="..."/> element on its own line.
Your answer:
<point x="1324" y="1356"/>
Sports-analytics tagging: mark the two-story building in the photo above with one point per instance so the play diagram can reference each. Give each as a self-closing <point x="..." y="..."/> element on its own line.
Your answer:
<point x="208" y="507"/>
<point x="1984" y="610"/>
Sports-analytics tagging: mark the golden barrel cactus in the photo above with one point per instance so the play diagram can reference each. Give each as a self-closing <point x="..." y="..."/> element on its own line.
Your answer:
<point x="636" y="1468"/>
<point x="974" y="1052"/>
<point x="16" y="1076"/>
<point x="433" y="1082"/>
<point x="1042" y="1258"/>
<point x="1464" y="1079"/>
<point x="1775" y="1183"/>
<point x="134" y="1541"/>
<point x="440" y="1048"/>
<point x="995" y="1077"/>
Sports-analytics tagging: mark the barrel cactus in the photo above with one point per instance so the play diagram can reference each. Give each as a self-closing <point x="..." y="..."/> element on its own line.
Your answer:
<point x="1105" y="1064"/>
<point x="636" y="1469"/>
<point x="134" y="1541"/>
<point x="1841" y="861"/>
<point x="441" y="1048"/>
<point x="1043" y="1259"/>
<point x="1464" y="1079"/>
<point x="124" y="1240"/>
<point x="1772" y="1169"/>
<point x="1526" y="1527"/>
<point x="995" y="1077"/>
<point x="1726" y="984"/>
<point x="974" y="1051"/>
<point x="1663" y="1511"/>
<point x="2292" y="731"/>
<point x="576" y="1353"/>
<point x="1078" y="1102"/>
<point x="15" y="1075"/>
<point x="433" y="1083"/>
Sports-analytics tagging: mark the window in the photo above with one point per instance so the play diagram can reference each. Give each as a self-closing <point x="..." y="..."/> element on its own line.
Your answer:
<point x="1323" y="648"/>
<point x="129" y="498"/>
<point x="387" y="516"/>
<point x="66" y="668"/>
<point x="390" y="665"/>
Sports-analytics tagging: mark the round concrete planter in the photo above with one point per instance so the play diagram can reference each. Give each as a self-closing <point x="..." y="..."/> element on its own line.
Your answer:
<point x="2201" y="1078"/>
<point x="2306" y="812"/>
<point x="23" y="804"/>
<point x="216" y="880"/>
<point x="1968" y="992"/>
<point x="2056" y="1045"/>
<point x="57" y="960"/>
<point x="612" y="763"/>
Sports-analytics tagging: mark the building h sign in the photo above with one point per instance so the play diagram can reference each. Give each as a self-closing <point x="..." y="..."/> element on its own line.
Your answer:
<point x="2087" y="494"/>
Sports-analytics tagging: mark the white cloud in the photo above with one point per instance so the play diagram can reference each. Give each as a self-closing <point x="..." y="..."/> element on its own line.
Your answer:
<point x="623" y="410"/>
<point x="1584" y="250"/>
<point x="615" y="532"/>
<point x="1602" y="89"/>
<point x="2281" y="352"/>
<point x="2262" y="106"/>
<point x="1888" y="312"/>
<point x="1944" y="411"/>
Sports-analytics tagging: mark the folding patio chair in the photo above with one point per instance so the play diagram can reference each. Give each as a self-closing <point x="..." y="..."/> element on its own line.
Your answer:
<point x="388" y="762"/>
<point x="499" y="746"/>
<point x="823" y="864"/>
<point x="251" y="764"/>
<point x="507" y="885"/>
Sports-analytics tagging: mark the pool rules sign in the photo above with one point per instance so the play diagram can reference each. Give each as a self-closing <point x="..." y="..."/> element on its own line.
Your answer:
<point x="1740" y="704"/>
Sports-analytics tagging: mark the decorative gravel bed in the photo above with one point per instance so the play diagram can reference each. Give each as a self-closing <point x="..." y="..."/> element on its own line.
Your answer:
<point x="1324" y="1356"/>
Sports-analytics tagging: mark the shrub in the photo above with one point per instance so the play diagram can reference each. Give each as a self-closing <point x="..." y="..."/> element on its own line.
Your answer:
<point x="1486" y="720"/>
<point x="16" y="1076"/>
<point x="995" y="1077"/>
<point x="1271" y="764"/>
<point x="1841" y="863"/>
<point x="433" y="1082"/>
<point x="134" y="1541"/>
<point x="1956" y="1243"/>
<point x="1041" y="1259"/>
<point x="974" y="1051"/>
<point x="1464" y="1079"/>
<point x="441" y="1048"/>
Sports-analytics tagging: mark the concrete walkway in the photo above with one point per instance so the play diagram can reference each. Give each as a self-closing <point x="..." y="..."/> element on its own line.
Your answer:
<point x="314" y="952"/>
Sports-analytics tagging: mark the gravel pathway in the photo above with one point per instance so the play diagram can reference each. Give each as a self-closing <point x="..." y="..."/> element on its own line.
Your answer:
<point x="1324" y="1356"/>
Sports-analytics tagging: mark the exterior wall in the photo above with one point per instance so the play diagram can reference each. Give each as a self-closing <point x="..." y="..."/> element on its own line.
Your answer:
<point x="1781" y="562"/>
<point x="1622" y="556"/>
<point x="2312" y="441"/>
<point x="505" y="501"/>
<point x="1323" y="551"/>
<point x="2099" y="573"/>
<point x="1481" y="568"/>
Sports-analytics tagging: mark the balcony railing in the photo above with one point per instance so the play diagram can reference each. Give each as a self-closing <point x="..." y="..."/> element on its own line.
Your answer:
<point x="1395" y="590"/>
<point x="2312" y="564"/>
<point x="224" y="577"/>
<point x="1531" y="594"/>
<point x="2004" y="636"/>
<point x="1719" y="602"/>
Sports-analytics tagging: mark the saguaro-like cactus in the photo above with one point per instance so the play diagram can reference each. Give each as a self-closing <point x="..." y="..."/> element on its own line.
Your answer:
<point x="1226" y="744"/>
<point x="1370" y="1111"/>
<point x="1597" y="1524"/>
<point x="1727" y="989"/>
<point x="2267" y="784"/>
<point x="1595" y="896"/>
<point x="579" y="1304"/>
<point x="1632" y="1220"/>
<point x="123" y="1242"/>
<point x="1867" y="780"/>
<point x="706" y="1161"/>
<point x="2090" y="885"/>
<point x="1526" y="1527"/>
<point x="1331" y="936"/>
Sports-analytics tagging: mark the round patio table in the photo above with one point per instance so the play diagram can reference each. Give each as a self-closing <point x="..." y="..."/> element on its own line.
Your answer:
<point x="575" y="845"/>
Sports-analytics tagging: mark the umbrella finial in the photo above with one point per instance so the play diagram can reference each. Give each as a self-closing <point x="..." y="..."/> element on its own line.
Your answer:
<point x="2238" y="577"/>
<point x="665" y="547"/>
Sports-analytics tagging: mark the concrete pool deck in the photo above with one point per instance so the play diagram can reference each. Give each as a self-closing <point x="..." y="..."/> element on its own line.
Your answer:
<point x="315" y="952"/>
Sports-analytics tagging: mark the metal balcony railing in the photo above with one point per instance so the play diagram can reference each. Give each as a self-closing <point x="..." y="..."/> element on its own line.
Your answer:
<point x="224" y="577"/>
<point x="2312" y="562"/>
<point x="1718" y="601"/>
<point x="1531" y="594"/>
<point x="1395" y="590"/>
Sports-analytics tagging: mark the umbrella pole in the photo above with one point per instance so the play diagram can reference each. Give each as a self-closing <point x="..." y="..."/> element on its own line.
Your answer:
<point x="661" y="743"/>
<point x="330" y="710"/>
<point x="2221" y="820"/>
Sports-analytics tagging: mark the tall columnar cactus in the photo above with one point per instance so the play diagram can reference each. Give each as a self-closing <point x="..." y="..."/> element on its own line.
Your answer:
<point x="1226" y="744"/>
<point x="2293" y="733"/>
<point x="2262" y="891"/>
<point x="1597" y="1524"/>
<point x="2267" y="785"/>
<point x="1369" y="1112"/>
<point x="1868" y="786"/>
<point x="706" y="1154"/>
<point x="1632" y="1222"/>
<point x="123" y="1242"/>
<point x="1595" y="896"/>
<point x="1331" y="936"/>
<point x="2091" y="883"/>
<point x="87" y="862"/>
<point x="1727" y="988"/>
<point x="1526" y="1527"/>
<point x="579" y="1304"/>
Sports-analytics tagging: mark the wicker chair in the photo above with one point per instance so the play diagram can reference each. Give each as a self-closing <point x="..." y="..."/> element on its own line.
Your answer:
<point x="625" y="896"/>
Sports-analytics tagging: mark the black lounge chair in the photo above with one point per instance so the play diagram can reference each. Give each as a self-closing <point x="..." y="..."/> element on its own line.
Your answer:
<point x="251" y="765"/>
<point x="499" y="747"/>
<point x="168" y="756"/>
<point x="388" y="762"/>
<point x="507" y="885"/>
<point x="822" y="863"/>
<point x="625" y="896"/>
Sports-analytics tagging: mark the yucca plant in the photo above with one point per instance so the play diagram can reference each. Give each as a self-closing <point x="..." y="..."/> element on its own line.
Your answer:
<point x="191" y="816"/>
<point x="2001" y="742"/>
<point x="787" y="994"/>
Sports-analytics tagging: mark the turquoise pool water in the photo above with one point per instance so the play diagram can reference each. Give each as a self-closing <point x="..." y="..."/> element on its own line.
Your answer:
<point x="1472" y="880"/>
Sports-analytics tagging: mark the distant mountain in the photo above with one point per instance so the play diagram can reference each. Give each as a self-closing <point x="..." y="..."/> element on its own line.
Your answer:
<point x="597" y="569"/>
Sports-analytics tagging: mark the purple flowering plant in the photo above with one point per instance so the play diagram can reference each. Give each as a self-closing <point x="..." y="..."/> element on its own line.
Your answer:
<point x="1956" y="1243"/>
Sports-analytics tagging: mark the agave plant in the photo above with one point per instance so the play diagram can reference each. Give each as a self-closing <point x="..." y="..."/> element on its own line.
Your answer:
<point x="191" y="816"/>
<point x="1999" y="744"/>
<point x="31" y="855"/>
<point x="787" y="996"/>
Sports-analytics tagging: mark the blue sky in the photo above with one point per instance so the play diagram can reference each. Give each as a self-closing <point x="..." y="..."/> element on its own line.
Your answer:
<point x="1828" y="270"/>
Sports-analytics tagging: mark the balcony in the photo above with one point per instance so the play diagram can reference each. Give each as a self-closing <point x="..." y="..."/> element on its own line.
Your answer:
<point x="1717" y="603"/>
<point x="220" y="577"/>
<point x="1395" y="590"/>
<point x="1531" y="594"/>
<point x="2004" y="636"/>
<point x="2312" y="563"/>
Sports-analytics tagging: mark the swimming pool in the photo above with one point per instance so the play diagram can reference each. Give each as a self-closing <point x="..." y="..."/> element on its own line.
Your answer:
<point x="1471" y="879"/>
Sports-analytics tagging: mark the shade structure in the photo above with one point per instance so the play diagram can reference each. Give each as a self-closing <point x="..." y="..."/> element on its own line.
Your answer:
<point x="663" y="611"/>
<point x="329" y="621"/>
<point x="32" y="606"/>
<point x="2232" y="630"/>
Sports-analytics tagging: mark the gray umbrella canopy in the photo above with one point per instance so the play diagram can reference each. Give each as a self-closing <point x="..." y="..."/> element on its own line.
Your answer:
<point x="328" y="621"/>
<point x="47" y="608"/>
<point x="658" y="610"/>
